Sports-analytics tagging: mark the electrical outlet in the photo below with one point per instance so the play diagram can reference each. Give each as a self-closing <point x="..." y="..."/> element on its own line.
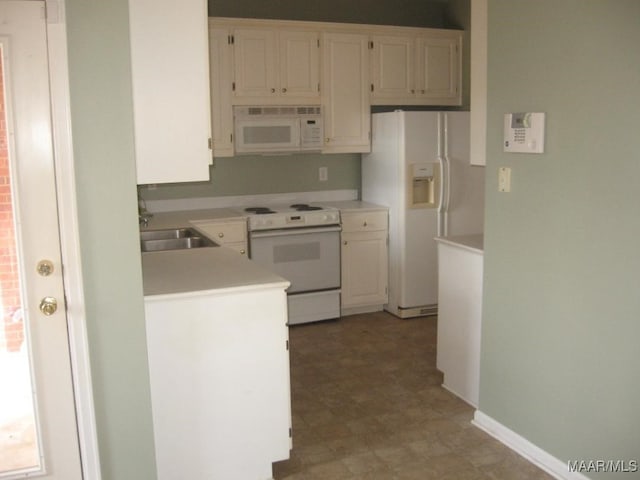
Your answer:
<point x="323" y="174"/>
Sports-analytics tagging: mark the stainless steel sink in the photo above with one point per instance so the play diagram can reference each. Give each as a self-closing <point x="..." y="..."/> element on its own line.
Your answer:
<point x="173" y="239"/>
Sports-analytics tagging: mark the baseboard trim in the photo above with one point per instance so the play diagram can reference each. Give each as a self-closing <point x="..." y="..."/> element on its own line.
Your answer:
<point x="547" y="462"/>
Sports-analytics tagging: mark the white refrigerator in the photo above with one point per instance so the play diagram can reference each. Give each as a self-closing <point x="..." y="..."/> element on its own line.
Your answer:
<point x="419" y="168"/>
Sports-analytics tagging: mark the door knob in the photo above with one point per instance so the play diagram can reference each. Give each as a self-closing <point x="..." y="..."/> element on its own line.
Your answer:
<point x="48" y="306"/>
<point x="44" y="268"/>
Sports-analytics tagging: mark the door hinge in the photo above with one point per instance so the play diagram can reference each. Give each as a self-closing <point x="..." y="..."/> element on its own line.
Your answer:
<point x="318" y="40"/>
<point x="372" y="87"/>
<point x="370" y="45"/>
<point x="290" y="432"/>
<point x="210" y="143"/>
<point x="318" y="86"/>
<point x="231" y="40"/>
<point x="231" y="138"/>
<point x="233" y="86"/>
<point x="287" y="344"/>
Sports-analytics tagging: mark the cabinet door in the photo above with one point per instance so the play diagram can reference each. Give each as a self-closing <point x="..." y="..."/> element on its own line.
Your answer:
<point x="255" y="62"/>
<point x="439" y="70"/>
<point x="364" y="268"/>
<point x="221" y="79"/>
<point x="393" y="73"/>
<point x="299" y="64"/>
<point x="170" y="75"/>
<point x="346" y="97"/>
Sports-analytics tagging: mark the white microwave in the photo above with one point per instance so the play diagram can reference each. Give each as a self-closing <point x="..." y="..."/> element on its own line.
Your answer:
<point x="277" y="129"/>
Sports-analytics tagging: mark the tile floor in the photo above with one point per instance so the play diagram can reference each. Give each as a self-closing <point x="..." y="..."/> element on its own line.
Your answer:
<point x="367" y="404"/>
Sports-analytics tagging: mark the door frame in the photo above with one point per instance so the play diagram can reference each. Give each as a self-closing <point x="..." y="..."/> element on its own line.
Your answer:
<point x="69" y="237"/>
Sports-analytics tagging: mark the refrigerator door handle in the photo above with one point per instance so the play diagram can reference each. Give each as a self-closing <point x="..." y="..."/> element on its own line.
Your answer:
<point x="445" y="184"/>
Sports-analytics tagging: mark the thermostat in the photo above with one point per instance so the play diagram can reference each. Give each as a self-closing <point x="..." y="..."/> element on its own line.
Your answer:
<point x="524" y="132"/>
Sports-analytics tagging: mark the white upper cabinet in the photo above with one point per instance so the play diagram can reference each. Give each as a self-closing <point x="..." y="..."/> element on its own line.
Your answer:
<point x="275" y="66"/>
<point x="393" y="67"/>
<point x="170" y="76"/>
<point x="439" y="79"/>
<point x="346" y="107"/>
<point x="416" y="68"/>
<point x="221" y="80"/>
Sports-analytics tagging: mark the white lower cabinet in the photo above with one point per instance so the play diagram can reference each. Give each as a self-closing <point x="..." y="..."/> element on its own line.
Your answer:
<point x="227" y="233"/>
<point x="219" y="376"/>
<point x="364" y="260"/>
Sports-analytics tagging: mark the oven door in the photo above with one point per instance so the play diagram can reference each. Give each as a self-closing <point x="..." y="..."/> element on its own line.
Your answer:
<point x="308" y="257"/>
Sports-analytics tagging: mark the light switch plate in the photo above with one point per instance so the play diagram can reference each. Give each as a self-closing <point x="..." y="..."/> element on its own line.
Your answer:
<point x="504" y="179"/>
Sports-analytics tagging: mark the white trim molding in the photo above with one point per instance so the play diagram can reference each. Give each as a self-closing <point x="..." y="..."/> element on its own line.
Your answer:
<point x="70" y="239"/>
<point x="540" y="458"/>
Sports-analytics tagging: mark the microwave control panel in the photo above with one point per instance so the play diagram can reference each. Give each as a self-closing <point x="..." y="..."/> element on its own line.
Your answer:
<point x="524" y="132"/>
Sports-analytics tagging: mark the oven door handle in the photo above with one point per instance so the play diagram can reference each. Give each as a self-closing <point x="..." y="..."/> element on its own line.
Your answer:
<point x="285" y="232"/>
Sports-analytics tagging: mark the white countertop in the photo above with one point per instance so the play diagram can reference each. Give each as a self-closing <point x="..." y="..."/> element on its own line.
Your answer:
<point x="354" y="205"/>
<point x="184" y="217"/>
<point x="204" y="270"/>
<point x="201" y="271"/>
<point x="473" y="243"/>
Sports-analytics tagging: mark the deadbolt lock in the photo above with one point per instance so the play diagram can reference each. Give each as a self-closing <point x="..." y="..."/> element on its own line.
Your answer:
<point x="45" y="268"/>
<point x="48" y="305"/>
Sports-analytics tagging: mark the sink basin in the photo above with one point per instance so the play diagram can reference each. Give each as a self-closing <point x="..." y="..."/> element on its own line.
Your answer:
<point x="173" y="239"/>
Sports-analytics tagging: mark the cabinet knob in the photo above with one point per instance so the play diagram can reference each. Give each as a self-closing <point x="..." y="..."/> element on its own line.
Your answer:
<point x="364" y="224"/>
<point x="327" y="140"/>
<point x="284" y="90"/>
<point x="345" y="242"/>
<point x="413" y="90"/>
<point x="422" y="91"/>
<point x="220" y="235"/>
<point x="273" y="90"/>
<point x="243" y="251"/>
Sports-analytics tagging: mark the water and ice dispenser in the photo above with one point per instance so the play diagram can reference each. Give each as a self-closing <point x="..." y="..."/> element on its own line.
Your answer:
<point x="424" y="185"/>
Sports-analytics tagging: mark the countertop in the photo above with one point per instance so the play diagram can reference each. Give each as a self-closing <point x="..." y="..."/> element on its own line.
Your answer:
<point x="184" y="218"/>
<point x="202" y="271"/>
<point x="473" y="243"/>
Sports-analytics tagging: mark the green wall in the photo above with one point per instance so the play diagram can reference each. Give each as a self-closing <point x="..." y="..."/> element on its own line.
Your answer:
<point x="102" y="123"/>
<point x="255" y="174"/>
<point x="561" y="314"/>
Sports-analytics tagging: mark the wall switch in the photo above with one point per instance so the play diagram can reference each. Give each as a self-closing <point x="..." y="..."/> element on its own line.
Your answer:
<point x="323" y="174"/>
<point x="504" y="179"/>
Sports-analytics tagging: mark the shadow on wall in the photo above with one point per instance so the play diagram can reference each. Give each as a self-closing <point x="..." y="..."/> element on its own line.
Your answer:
<point x="417" y="13"/>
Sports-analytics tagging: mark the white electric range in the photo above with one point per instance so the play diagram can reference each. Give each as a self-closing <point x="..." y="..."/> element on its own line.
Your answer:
<point x="300" y="242"/>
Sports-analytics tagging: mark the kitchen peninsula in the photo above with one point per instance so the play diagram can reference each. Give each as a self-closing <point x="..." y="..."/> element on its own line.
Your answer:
<point x="218" y="364"/>
<point x="460" y="267"/>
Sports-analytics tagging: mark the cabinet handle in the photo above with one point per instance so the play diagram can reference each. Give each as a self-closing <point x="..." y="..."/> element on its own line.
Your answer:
<point x="220" y="235"/>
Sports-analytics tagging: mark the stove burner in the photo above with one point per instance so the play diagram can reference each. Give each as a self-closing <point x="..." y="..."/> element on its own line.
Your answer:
<point x="303" y="207"/>
<point x="259" y="210"/>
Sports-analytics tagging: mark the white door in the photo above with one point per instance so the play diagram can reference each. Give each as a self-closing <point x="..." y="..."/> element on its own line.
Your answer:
<point x="40" y="438"/>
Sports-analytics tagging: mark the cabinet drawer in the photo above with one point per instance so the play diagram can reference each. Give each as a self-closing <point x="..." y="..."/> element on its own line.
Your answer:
<point x="223" y="232"/>
<point x="364" y="221"/>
